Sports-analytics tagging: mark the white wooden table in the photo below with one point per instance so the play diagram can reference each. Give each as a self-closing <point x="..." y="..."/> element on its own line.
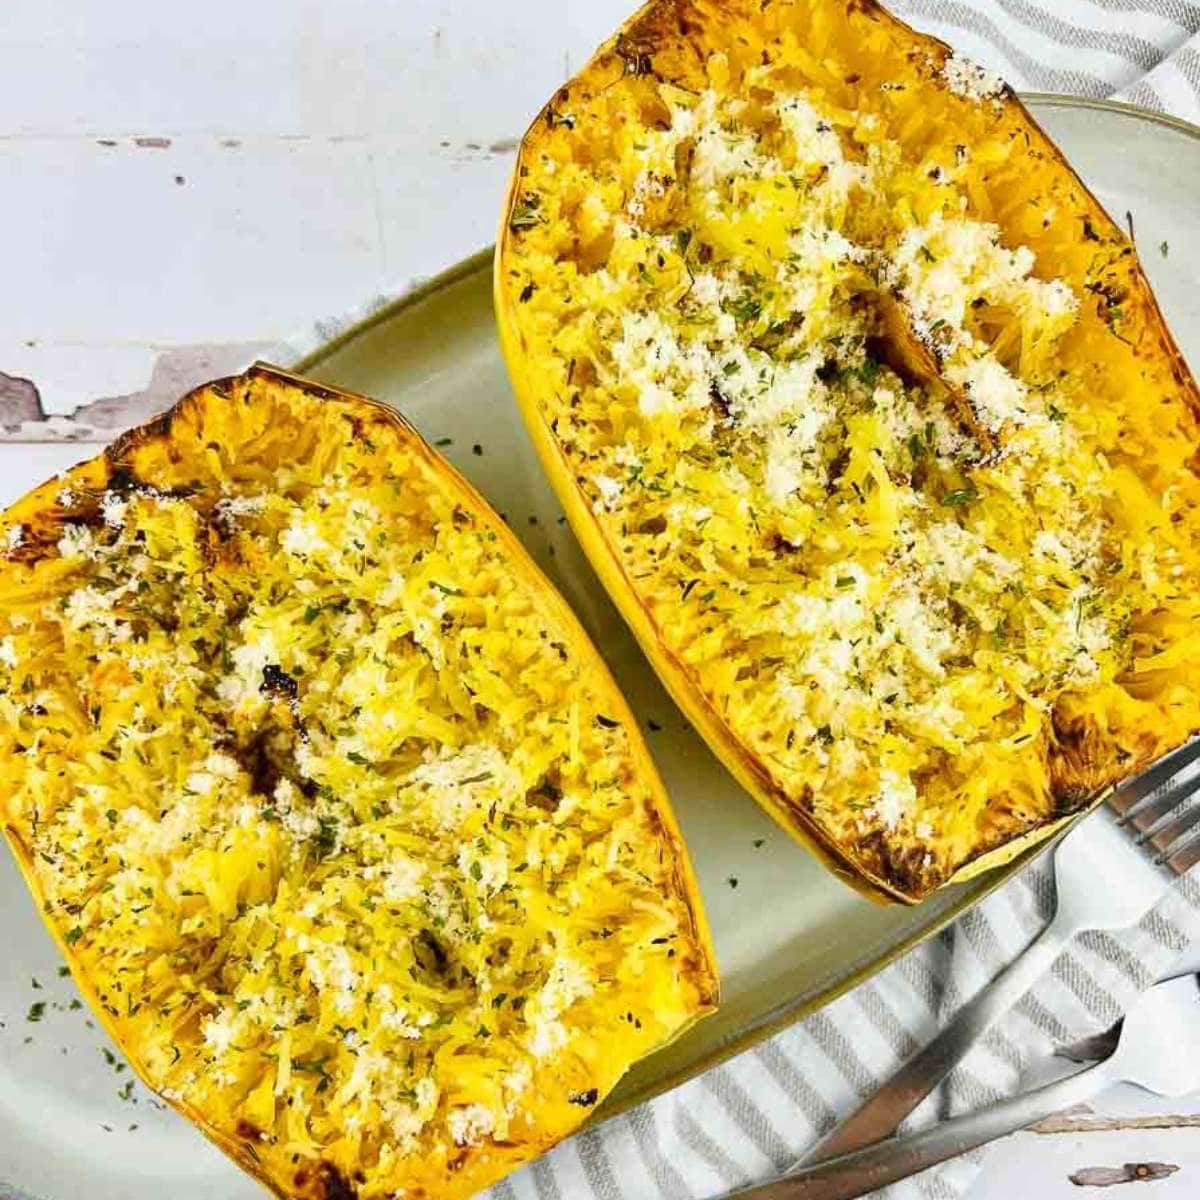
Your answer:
<point x="181" y="186"/>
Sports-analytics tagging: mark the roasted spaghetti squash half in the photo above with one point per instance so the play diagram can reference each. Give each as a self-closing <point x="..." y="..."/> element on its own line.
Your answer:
<point x="339" y="819"/>
<point x="865" y="414"/>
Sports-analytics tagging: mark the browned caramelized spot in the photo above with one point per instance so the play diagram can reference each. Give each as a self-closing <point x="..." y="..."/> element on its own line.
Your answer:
<point x="336" y="1185"/>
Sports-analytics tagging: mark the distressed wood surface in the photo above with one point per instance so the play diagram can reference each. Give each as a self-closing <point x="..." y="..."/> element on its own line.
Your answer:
<point x="179" y="193"/>
<point x="1128" y="1173"/>
<point x="182" y="188"/>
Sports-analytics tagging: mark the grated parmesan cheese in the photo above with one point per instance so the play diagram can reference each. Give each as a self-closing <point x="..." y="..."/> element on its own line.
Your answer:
<point x="895" y="798"/>
<point x="971" y="81"/>
<point x="470" y="1123"/>
<point x="854" y="576"/>
<point x="77" y="541"/>
<point x="113" y="508"/>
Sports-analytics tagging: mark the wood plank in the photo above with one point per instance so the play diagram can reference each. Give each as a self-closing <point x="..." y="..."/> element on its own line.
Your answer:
<point x="1040" y="1167"/>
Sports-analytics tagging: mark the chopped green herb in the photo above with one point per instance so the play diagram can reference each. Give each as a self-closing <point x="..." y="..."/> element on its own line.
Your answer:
<point x="960" y="497"/>
<point x="326" y="837"/>
<point x="315" y="1065"/>
<point x="523" y="217"/>
<point x="747" y="309"/>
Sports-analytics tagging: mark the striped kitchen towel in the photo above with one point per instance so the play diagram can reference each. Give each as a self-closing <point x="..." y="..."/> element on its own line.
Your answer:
<point x="755" y="1115"/>
<point x="1144" y="51"/>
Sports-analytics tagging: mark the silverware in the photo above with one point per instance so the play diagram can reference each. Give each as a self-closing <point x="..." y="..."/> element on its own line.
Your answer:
<point x="1158" y="1049"/>
<point x="1159" y="812"/>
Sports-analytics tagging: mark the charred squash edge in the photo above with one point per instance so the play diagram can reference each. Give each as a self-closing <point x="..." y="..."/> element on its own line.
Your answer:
<point x="631" y="50"/>
<point x="97" y="472"/>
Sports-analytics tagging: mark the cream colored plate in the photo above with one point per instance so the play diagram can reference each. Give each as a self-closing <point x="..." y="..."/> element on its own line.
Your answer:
<point x="789" y="937"/>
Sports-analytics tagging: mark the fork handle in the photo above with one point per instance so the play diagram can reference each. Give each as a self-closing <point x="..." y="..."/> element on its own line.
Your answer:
<point x="881" y="1115"/>
<point x="886" y="1162"/>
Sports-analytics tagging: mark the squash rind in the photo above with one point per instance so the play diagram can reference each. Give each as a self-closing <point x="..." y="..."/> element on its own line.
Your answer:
<point x="666" y="42"/>
<point x="549" y="1116"/>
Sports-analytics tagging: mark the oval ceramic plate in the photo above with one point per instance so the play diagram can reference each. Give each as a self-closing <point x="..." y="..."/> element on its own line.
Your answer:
<point x="789" y="936"/>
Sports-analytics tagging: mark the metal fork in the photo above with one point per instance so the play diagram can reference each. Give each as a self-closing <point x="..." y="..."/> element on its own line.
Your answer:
<point x="1099" y="885"/>
<point x="1158" y="1049"/>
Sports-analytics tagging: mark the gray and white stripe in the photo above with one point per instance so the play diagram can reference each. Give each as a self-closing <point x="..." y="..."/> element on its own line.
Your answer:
<point x="1143" y="51"/>
<point x="760" y="1111"/>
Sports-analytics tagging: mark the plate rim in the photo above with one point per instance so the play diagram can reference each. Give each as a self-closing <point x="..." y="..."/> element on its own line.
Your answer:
<point x="313" y="354"/>
<point x="1105" y="104"/>
<point x="309" y="352"/>
<point x="793" y="1010"/>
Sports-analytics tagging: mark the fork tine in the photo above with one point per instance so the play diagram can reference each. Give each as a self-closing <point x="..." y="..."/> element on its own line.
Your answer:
<point x="1175" y="830"/>
<point x="1186" y="858"/>
<point x="1148" y="782"/>
<point x="1147" y="809"/>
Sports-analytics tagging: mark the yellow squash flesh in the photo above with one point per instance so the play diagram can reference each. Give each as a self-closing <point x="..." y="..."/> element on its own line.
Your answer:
<point x="865" y="414"/>
<point x="338" y="818"/>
